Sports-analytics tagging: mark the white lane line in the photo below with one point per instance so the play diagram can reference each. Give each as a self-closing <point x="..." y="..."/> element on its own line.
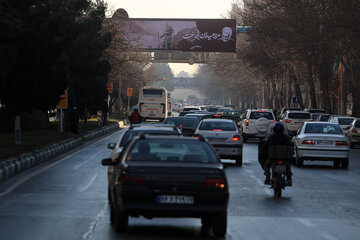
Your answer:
<point x="306" y="222"/>
<point x="328" y="236"/>
<point x="39" y="171"/>
<point x="89" y="184"/>
<point x="92" y="226"/>
<point x="259" y="181"/>
<point x="91" y="158"/>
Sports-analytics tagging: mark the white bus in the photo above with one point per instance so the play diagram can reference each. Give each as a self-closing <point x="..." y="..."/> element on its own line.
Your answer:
<point x="153" y="103"/>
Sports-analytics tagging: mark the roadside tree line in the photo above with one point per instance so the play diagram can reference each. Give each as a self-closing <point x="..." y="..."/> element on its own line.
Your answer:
<point x="307" y="49"/>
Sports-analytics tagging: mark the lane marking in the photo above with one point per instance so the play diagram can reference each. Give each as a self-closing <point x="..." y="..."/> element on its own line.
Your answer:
<point x="41" y="170"/>
<point x="92" y="225"/>
<point x="91" y="158"/>
<point x="306" y="222"/>
<point x="328" y="236"/>
<point x="89" y="184"/>
<point x="259" y="182"/>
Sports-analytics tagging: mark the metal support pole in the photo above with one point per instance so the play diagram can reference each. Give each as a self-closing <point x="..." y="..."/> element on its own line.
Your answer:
<point x="61" y="120"/>
<point x="128" y="106"/>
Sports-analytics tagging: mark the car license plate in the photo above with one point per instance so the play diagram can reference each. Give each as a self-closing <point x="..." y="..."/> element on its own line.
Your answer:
<point x="217" y="140"/>
<point x="279" y="168"/>
<point x="324" y="142"/>
<point x="174" y="199"/>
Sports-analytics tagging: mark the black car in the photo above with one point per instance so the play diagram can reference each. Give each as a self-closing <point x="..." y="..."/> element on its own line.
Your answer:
<point x="187" y="125"/>
<point x="159" y="176"/>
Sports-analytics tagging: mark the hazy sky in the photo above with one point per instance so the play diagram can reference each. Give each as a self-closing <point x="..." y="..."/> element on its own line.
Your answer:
<point x="173" y="9"/>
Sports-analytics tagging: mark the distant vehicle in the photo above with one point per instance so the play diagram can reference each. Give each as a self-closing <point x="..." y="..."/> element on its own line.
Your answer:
<point x="314" y="116"/>
<point x="293" y="120"/>
<point x="313" y="110"/>
<point x="154" y="103"/>
<point x="221" y="110"/>
<point x="199" y="116"/>
<point x="187" y="125"/>
<point x="354" y="133"/>
<point x="225" y="137"/>
<point x="255" y="122"/>
<point x="169" y="177"/>
<point x="322" y="141"/>
<point x="191" y="108"/>
<point x="323" y="117"/>
<point x="284" y="109"/>
<point x="343" y="121"/>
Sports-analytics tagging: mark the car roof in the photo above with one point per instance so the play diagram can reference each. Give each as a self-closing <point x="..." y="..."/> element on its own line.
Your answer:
<point x="293" y="111"/>
<point x="217" y="120"/>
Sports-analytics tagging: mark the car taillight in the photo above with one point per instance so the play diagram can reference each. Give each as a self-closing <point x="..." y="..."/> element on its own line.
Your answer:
<point x="236" y="138"/>
<point x="135" y="180"/>
<point x="274" y="121"/>
<point x="217" y="115"/>
<point x="196" y="135"/>
<point x="217" y="130"/>
<point x="354" y="130"/>
<point x="308" y="142"/>
<point x="247" y="122"/>
<point x="280" y="162"/>
<point x="214" y="182"/>
<point x="341" y="143"/>
<point x="287" y="120"/>
<point x="180" y="125"/>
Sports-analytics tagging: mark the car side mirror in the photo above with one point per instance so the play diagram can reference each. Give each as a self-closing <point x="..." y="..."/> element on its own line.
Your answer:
<point x="107" y="162"/>
<point x="111" y="146"/>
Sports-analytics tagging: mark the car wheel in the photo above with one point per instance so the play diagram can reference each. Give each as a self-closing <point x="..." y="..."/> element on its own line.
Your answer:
<point x="299" y="160"/>
<point x="121" y="220"/>
<point x="336" y="163"/>
<point x="345" y="163"/>
<point x="220" y="224"/>
<point x="239" y="161"/>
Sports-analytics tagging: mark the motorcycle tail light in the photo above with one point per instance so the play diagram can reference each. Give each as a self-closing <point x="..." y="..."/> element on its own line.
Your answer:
<point x="215" y="182"/>
<point x="341" y="143"/>
<point x="236" y="138"/>
<point x="308" y="142"/>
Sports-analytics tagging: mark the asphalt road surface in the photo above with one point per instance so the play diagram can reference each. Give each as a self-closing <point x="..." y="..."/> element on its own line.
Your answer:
<point x="67" y="199"/>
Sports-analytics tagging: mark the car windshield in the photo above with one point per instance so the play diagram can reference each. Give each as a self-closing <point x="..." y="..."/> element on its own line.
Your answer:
<point x="171" y="150"/>
<point x="323" y="128"/>
<point x="190" y="122"/>
<point x="220" y="126"/>
<point x="257" y="115"/>
<point x="299" y="115"/>
<point x="129" y="134"/>
<point x="345" y="121"/>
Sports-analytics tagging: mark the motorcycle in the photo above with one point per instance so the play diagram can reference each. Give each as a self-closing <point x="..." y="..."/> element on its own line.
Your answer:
<point x="278" y="181"/>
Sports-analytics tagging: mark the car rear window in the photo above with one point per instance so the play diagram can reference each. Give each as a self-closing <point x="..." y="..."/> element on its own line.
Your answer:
<point x="190" y="109"/>
<point x="324" y="117"/>
<point x="357" y="124"/>
<point x="257" y="115"/>
<point x="323" y="128"/>
<point x="233" y="113"/>
<point x="221" y="126"/>
<point x="345" y="121"/>
<point x="299" y="115"/>
<point x="129" y="134"/>
<point x="171" y="150"/>
<point x="190" y="122"/>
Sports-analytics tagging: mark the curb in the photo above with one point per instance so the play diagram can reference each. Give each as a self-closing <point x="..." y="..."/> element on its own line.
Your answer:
<point x="15" y="165"/>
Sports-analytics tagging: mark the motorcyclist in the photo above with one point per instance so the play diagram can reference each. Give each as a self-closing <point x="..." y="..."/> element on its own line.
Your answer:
<point x="135" y="116"/>
<point x="278" y="138"/>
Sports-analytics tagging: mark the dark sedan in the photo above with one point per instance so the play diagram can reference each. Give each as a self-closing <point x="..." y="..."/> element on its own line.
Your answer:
<point x="169" y="177"/>
<point x="187" y="125"/>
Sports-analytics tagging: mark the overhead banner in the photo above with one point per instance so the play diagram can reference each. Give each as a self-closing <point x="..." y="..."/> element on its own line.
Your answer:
<point x="194" y="35"/>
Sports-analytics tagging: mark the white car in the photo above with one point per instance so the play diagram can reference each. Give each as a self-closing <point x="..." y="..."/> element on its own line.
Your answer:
<point x="293" y="120"/>
<point x="254" y="123"/>
<point x="354" y="133"/>
<point x="224" y="136"/>
<point x="322" y="141"/>
<point x="343" y="121"/>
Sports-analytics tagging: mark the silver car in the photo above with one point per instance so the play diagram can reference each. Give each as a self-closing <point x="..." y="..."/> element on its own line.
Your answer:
<point x="354" y="133"/>
<point x="321" y="141"/>
<point x="224" y="136"/>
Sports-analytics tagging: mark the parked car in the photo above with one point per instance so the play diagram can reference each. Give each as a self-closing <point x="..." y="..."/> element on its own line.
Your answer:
<point x="343" y="121"/>
<point x="255" y="122"/>
<point x="354" y="133"/>
<point x="293" y="120"/>
<point x="160" y="176"/>
<point x="187" y="125"/>
<point x="224" y="136"/>
<point x="322" y="141"/>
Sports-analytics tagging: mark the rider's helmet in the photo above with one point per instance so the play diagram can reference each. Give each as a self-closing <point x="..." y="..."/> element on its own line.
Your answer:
<point x="136" y="109"/>
<point x="278" y="128"/>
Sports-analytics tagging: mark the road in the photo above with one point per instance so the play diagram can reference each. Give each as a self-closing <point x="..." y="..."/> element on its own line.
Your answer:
<point x="66" y="198"/>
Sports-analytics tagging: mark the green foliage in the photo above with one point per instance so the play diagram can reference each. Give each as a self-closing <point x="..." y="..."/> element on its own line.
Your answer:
<point x="47" y="46"/>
